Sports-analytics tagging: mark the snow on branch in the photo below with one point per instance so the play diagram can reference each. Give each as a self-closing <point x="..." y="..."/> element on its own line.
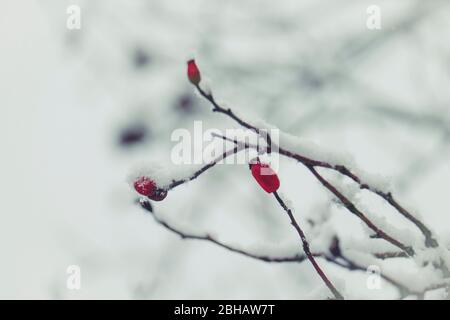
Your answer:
<point x="313" y="158"/>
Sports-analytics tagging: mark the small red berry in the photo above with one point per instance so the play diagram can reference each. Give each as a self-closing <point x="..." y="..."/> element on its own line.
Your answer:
<point x="193" y="72"/>
<point x="145" y="186"/>
<point x="265" y="176"/>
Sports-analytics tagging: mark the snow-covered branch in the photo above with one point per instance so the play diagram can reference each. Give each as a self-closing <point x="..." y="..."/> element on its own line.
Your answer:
<point x="306" y="248"/>
<point x="207" y="237"/>
<point x="310" y="163"/>
<point x="313" y="159"/>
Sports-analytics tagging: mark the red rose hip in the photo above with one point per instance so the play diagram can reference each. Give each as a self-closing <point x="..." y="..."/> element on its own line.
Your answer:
<point x="193" y="72"/>
<point x="265" y="176"/>
<point x="145" y="186"/>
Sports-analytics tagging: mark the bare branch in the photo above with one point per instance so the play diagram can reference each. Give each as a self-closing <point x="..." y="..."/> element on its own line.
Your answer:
<point x="338" y="258"/>
<point x="185" y="235"/>
<point x="311" y="164"/>
<point x="232" y="115"/>
<point x="389" y="255"/>
<point x="236" y="149"/>
<point x="336" y="253"/>
<point x="388" y="197"/>
<point x="403" y="289"/>
<point x="351" y="207"/>
<point x="306" y="249"/>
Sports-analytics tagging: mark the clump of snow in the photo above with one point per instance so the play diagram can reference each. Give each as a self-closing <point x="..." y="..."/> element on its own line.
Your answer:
<point x="406" y="236"/>
<point x="160" y="172"/>
<point x="367" y="245"/>
<point x="155" y="171"/>
<point x="361" y="258"/>
<point x="334" y="156"/>
<point x="314" y="150"/>
<point x="349" y="189"/>
<point x="417" y="280"/>
<point x="283" y="249"/>
<point x="205" y="84"/>
<point x="320" y="293"/>
<point x="377" y="181"/>
<point x="444" y="254"/>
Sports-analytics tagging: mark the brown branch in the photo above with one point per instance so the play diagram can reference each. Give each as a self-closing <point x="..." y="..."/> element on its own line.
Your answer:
<point x="403" y="289"/>
<point x="311" y="164"/>
<point x="307" y="250"/>
<point x="226" y="111"/>
<point x="352" y="208"/>
<point x="353" y="266"/>
<point x="343" y="169"/>
<point x="208" y="238"/>
<point x="145" y="204"/>
<point x="389" y="255"/>
<point x="336" y="253"/>
<point x="430" y="241"/>
<point x="338" y="258"/>
<point x="232" y="115"/>
<point x="388" y="197"/>
<point x="345" y="201"/>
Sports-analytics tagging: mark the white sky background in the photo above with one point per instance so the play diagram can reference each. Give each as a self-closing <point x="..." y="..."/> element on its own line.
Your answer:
<point x="65" y="95"/>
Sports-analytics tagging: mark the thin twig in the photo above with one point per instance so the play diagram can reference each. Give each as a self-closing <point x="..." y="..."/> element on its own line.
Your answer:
<point x="338" y="258"/>
<point x="348" y="204"/>
<point x="232" y="115"/>
<point x="388" y="197"/>
<point x="185" y="235"/>
<point x="351" y="207"/>
<point x="349" y="265"/>
<point x="390" y="254"/>
<point x="307" y="250"/>
<point x="404" y="290"/>
<point x="311" y="164"/>
<point x="226" y="154"/>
